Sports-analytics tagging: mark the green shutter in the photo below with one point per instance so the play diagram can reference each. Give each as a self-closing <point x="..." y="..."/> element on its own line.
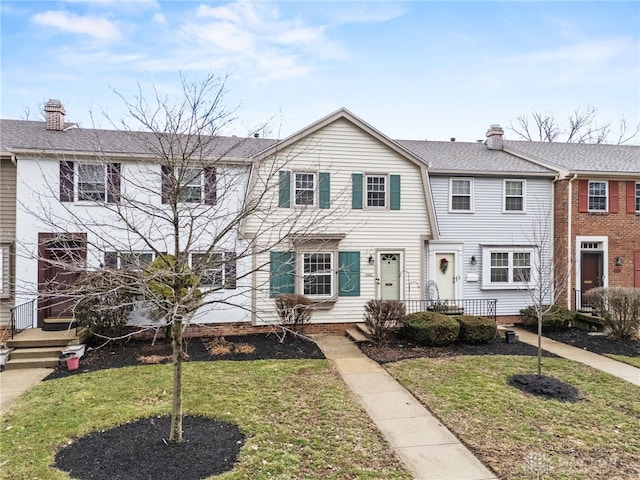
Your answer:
<point x="282" y="269"/>
<point x="349" y="274"/>
<point x="394" y="188"/>
<point x="356" y="189"/>
<point x="325" y="190"/>
<point x="284" y="193"/>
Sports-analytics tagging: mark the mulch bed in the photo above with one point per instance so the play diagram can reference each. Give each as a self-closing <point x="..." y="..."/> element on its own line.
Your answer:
<point x="596" y="343"/>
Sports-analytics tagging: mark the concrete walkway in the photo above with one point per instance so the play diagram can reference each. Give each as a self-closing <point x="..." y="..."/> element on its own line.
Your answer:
<point x="428" y="449"/>
<point x="14" y="383"/>
<point x="618" y="369"/>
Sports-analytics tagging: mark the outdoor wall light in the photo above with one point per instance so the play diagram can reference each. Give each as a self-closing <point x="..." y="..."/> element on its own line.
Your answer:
<point x="370" y="260"/>
<point x="473" y="260"/>
<point x="618" y="261"/>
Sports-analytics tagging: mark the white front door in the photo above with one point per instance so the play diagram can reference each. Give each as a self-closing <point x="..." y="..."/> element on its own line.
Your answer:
<point x="390" y="276"/>
<point x="446" y="275"/>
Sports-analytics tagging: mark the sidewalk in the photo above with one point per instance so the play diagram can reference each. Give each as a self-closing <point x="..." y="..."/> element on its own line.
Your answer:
<point x="618" y="369"/>
<point x="428" y="449"/>
<point x="14" y="383"/>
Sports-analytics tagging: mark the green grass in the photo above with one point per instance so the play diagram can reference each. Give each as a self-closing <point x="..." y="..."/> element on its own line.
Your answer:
<point x="634" y="361"/>
<point x="521" y="436"/>
<point x="299" y="419"/>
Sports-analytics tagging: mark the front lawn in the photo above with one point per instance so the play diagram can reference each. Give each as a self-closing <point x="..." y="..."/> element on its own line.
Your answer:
<point x="299" y="419"/>
<point x="634" y="361"/>
<point x="524" y="437"/>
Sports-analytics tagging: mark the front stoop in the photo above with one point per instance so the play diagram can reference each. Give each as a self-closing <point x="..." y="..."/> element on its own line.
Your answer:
<point x="359" y="334"/>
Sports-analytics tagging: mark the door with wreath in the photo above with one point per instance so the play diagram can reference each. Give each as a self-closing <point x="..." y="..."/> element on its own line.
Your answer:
<point x="445" y="275"/>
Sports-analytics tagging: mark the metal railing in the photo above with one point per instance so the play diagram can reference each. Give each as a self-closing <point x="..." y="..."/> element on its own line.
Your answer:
<point x="21" y="317"/>
<point x="580" y="304"/>
<point x="468" y="306"/>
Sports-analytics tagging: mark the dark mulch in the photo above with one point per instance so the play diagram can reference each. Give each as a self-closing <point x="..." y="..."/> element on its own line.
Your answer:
<point x="549" y="388"/>
<point x="140" y="451"/>
<point x="240" y="348"/>
<point x="596" y="343"/>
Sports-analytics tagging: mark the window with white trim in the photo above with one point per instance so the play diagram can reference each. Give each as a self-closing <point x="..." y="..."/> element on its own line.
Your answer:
<point x="191" y="185"/>
<point x="638" y="197"/>
<point x="136" y="261"/>
<point x="210" y="267"/>
<point x="1" y="270"/>
<point x="376" y="190"/>
<point x="460" y="199"/>
<point x="92" y="182"/>
<point x="318" y="274"/>
<point x="514" y="192"/>
<point x="597" y="196"/>
<point x="304" y="189"/>
<point x="508" y="267"/>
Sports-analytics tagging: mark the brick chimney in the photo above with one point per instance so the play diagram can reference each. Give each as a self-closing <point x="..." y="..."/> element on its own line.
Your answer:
<point x="494" y="137"/>
<point x="54" y="112"/>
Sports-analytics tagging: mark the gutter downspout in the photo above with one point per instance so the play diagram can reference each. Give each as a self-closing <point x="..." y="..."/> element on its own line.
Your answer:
<point x="569" y="239"/>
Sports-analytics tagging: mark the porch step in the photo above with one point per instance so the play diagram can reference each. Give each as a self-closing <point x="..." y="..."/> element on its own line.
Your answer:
<point x="58" y="324"/>
<point x="35" y="338"/>
<point x="40" y="362"/>
<point x="356" y="335"/>
<point x="32" y="353"/>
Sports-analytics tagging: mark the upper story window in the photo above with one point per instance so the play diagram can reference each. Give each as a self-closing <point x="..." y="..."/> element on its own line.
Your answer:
<point x="514" y="192"/>
<point x="191" y="185"/>
<point x="638" y="197"/>
<point x="89" y="182"/>
<point x="507" y="267"/>
<point x="1" y="270"/>
<point x="460" y="194"/>
<point x="318" y="276"/>
<point x="305" y="189"/>
<point x="376" y="191"/>
<point x="597" y="196"/>
<point x="92" y="182"/>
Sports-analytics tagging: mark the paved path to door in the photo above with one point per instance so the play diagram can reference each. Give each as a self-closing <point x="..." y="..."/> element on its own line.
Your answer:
<point x="429" y="450"/>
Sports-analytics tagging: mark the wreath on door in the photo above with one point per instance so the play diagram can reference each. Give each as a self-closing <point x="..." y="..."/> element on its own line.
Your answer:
<point x="444" y="264"/>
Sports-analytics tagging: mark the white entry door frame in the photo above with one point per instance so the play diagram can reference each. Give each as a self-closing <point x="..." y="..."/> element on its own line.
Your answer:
<point x="450" y="285"/>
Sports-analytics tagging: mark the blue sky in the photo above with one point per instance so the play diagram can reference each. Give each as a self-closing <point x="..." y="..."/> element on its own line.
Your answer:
<point x="413" y="70"/>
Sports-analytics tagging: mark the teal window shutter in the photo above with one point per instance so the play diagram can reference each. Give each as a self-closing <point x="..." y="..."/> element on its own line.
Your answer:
<point x="282" y="269"/>
<point x="325" y="190"/>
<point x="284" y="193"/>
<point x="394" y="188"/>
<point x="356" y="190"/>
<point x="349" y="274"/>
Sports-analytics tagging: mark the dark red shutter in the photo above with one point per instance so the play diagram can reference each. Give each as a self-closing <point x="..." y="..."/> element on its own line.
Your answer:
<point x="166" y="172"/>
<point x="614" y="197"/>
<point x="636" y="269"/>
<point x="113" y="187"/>
<point x="583" y="196"/>
<point x="631" y="197"/>
<point x="210" y="193"/>
<point x="230" y="270"/>
<point x="66" y="181"/>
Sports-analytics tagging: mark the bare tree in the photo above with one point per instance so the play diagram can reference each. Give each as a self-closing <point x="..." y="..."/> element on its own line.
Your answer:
<point x="165" y="224"/>
<point x="580" y="127"/>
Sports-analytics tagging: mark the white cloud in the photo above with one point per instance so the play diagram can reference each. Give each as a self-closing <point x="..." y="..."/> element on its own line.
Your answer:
<point x="160" y="19"/>
<point x="97" y="27"/>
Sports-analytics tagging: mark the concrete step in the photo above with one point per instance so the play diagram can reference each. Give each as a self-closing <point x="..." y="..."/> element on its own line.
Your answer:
<point x="363" y="329"/>
<point x="58" y="324"/>
<point x="356" y="335"/>
<point x="41" y="352"/>
<point x="42" y="362"/>
<point x="37" y="338"/>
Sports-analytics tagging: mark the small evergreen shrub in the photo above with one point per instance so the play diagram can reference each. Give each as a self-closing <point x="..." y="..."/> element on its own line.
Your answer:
<point x="430" y="329"/>
<point x="382" y="317"/>
<point x="619" y="308"/>
<point x="294" y="311"/>
<point x="558" y="318"/>
<point x="476" y="330"/>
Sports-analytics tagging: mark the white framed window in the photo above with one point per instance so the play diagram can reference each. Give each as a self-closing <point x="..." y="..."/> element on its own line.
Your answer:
<point x="461" y="195"/>
<point x="598" y="192"/>
<point x="514" y="195"/>
<point x="191" y="185"/>
<point x="92" y="182"/>
<point x="1" y="270"/>
<point x="136" y="261"/>
<point x="304" y="189"/>
<point x="638" y="197"/>
<point x="211" y="268"/>
<point x="508" y="267"/>
<point x="376" y="191"/>
<point x="318" y="274"/>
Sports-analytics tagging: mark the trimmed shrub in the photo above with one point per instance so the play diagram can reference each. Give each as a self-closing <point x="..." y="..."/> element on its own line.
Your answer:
<point x="619" y="308"/>
<point x="430" y="329"/>
<point x="476" y="330"/>
<point x="558" y="318"/>
<point x="294" y="311"/>
<point x="382" y="317"/>
<point x="105" y="303"/>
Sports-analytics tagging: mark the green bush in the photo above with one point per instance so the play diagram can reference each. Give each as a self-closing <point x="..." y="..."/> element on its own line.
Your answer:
<point x="619" y="308"/>
<point x="476" y="330"/>
<point x="430" y="329"/>
<point x="382" y="317"/>
<point x="558" y="318"/>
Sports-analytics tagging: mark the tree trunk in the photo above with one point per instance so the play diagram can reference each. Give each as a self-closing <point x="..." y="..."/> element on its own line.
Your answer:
<point x="176" y="407"/>
<point x="539" y="344"/>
